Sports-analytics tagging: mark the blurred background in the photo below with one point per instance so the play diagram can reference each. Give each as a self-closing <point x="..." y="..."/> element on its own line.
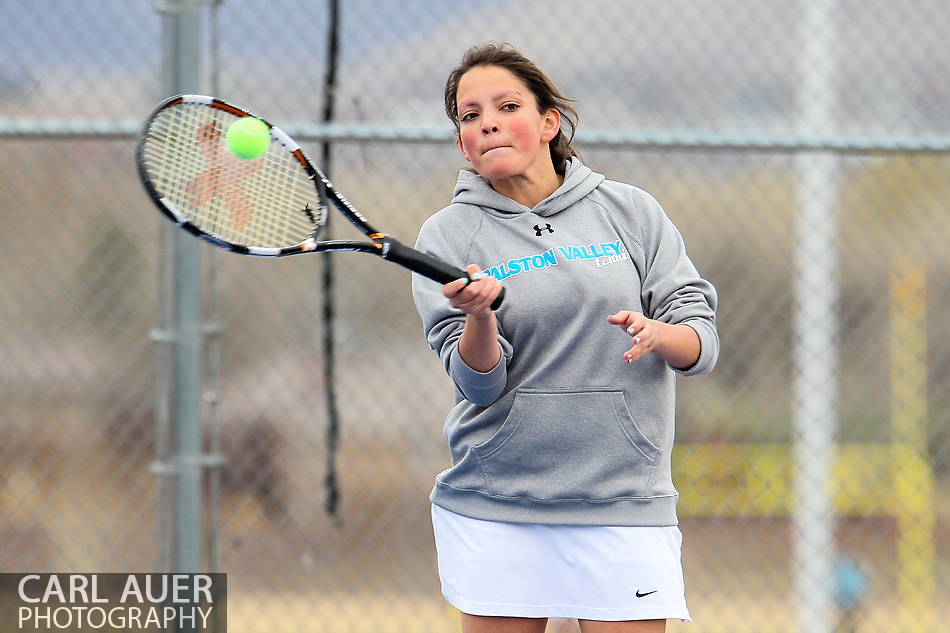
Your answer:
<point x="802" y="148"/>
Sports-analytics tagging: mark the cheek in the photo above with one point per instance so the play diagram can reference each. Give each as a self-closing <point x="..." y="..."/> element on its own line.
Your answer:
<point x="467" y="139"/>
<point x="524" y="134"/>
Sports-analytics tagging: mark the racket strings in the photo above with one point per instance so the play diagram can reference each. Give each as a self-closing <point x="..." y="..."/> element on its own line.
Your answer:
<point x="266" y="202"/>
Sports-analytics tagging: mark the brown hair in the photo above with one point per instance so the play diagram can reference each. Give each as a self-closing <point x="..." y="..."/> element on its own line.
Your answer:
<point x="544" y="91"/>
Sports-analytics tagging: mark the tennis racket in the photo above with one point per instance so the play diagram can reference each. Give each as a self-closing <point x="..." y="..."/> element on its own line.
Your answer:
<point x="272" y="206"/>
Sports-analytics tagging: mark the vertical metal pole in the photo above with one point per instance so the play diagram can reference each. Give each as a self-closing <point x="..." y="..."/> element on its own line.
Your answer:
<point x="213" y="332"/>
<point x="332" y="501"/>
<point x="815" y="323"/>
<point x="162" y="340"/>
<point x="181" y="40"/>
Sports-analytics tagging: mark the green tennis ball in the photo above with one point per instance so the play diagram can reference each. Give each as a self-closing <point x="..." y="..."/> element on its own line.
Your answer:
<point x="247" y="138"/>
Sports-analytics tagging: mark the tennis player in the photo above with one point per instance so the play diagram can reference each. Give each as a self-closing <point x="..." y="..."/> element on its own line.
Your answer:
<point x="559" y="502"/>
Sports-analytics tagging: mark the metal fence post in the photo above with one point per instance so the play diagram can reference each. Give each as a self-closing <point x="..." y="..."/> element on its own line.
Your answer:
<point x="181" y="24"/>
<point x="815" y="355"/>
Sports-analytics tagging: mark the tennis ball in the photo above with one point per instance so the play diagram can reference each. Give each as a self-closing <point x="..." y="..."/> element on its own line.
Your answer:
<point x="247" y="138"/>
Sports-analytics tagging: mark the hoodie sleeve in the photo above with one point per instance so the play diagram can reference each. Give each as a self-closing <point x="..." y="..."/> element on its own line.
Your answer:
<point x="672" y="289"/>
<point x="443" y="324"/>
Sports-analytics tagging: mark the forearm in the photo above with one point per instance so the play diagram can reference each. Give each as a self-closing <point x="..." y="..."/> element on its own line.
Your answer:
<point x="478" y="345"/>
<point x="678" y="345"/>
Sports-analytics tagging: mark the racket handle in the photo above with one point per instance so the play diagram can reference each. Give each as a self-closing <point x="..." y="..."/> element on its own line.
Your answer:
<point x="427" y="265"/>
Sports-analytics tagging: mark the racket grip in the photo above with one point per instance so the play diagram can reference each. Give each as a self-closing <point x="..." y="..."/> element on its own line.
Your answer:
<point x="428" y="266"/>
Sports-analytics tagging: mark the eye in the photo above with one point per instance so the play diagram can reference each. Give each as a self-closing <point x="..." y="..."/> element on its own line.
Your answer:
<point x="468" y="116"/>
<point x="510" y="107"/>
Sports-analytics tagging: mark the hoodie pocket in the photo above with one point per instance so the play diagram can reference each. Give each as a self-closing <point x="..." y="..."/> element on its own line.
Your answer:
<point x="563" y="445"/>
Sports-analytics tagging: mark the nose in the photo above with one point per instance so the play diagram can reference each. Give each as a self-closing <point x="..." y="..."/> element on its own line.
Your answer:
<point x="489" y="126"/>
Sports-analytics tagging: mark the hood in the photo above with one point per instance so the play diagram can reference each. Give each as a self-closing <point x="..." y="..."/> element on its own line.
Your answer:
<point x="579" y="181"/>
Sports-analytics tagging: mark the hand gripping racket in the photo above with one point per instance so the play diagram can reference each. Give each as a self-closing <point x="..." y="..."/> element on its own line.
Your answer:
<point x="272" y="206"/>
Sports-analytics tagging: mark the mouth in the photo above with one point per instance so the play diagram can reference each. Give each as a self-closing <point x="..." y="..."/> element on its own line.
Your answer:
<point x="492" y="149"/>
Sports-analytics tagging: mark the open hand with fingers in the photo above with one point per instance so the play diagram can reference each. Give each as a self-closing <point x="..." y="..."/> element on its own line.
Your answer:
<point x="678" y="345"/>
<point x="640" y="328"/>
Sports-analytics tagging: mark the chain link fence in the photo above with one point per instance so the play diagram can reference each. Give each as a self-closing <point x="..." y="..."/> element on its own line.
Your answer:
<point x="803" y="149"/>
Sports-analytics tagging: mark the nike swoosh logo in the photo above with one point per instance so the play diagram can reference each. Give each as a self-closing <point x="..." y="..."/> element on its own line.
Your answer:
<point x="644" y="595"/>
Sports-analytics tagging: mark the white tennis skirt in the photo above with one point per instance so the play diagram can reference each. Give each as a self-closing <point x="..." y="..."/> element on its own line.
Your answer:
<point x="540" y="571"/>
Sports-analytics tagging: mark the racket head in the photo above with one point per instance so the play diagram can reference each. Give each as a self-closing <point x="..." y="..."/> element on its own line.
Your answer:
<point x="270" y="206"/>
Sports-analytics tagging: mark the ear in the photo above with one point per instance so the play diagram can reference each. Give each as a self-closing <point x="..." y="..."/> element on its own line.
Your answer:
<point x="551" y="125"/>
<point x="462" y="148"/>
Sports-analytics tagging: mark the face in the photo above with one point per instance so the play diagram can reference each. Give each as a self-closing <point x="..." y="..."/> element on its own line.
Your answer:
<point x="501" y="132"/>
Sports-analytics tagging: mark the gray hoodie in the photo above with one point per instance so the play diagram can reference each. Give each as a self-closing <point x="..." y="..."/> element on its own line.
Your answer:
<point x="563" y="431"/>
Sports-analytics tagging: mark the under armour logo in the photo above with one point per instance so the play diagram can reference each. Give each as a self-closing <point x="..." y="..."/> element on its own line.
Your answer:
<point x="538" y="229"/>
